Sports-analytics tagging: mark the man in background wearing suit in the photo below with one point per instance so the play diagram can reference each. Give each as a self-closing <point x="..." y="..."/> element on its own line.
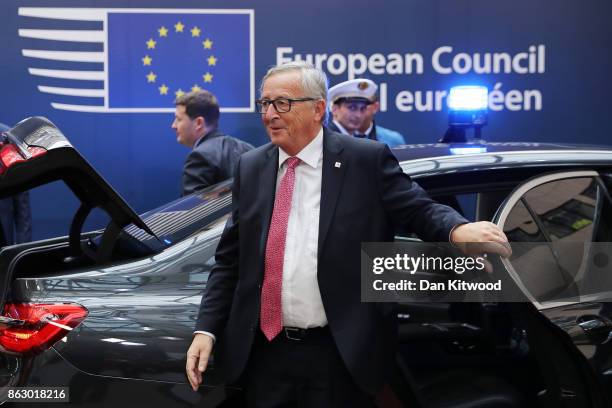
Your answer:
<point x="354" y="104"/>
<point x="214" y="154"/>
<point x="15" y="216"/>
<point x="282" y="304"/>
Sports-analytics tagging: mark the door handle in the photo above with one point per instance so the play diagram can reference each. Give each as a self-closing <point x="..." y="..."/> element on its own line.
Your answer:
<point x="597" y="328"/>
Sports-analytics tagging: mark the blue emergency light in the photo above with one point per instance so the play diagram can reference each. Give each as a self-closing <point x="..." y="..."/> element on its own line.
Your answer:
<point x="468" y="98"/>
<point x="467" y="108"/>
<point x="468" y="150"/>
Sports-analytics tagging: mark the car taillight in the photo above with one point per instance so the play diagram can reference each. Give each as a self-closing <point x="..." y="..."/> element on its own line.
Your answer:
<point x="36" y="151"/>
<point x="34" y="327"/>
<point x="9" y="155"/>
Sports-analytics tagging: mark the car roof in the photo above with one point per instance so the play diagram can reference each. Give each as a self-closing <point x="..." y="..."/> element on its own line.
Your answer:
<point x="427" y="159"/>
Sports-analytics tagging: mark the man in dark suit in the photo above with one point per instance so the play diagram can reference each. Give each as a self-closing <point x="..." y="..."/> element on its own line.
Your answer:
<point x="15" y="216"/>
<point x="283" y="300"/>
<point x="214" y="154"/>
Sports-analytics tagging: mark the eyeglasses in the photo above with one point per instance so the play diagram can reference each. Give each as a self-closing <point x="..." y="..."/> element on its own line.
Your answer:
<point x="282" y="105"/>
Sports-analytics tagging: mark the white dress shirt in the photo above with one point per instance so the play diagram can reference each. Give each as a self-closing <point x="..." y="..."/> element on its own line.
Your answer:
<point x="369" y="129"/>
<point x="301" y="298"/>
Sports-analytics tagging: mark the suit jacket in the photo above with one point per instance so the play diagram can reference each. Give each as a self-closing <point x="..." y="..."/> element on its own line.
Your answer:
<point x="15" y="219"/>
<point x="388" y="136"/>
<point x="211" y="161"/>
<point x="363" y="200"/>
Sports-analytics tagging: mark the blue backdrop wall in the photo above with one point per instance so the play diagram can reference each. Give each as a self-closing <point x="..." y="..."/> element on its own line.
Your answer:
<point x="106" y="72"/>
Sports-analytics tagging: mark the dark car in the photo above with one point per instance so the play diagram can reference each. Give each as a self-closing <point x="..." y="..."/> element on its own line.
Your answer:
<point x="110" y="314"/>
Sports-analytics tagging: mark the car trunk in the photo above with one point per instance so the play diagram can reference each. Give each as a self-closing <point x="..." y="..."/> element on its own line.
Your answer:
<point x="34" y="153"/>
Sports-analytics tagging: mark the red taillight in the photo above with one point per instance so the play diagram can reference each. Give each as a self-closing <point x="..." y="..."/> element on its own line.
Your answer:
<point x="36" y="151"/>
<point x="9" y="155"/>
<point x="43" y="325"/>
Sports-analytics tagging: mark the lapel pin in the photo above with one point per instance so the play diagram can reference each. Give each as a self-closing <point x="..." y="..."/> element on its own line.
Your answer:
<point x="338" y="164"/>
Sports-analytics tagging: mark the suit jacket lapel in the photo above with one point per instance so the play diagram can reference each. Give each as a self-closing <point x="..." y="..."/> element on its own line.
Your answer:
<point x="267" y="190"/>
<point x="334" y="168"/>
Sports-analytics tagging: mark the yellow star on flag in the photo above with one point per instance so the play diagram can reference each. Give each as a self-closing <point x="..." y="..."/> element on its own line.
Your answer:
<point x="207" y="77"/>
<point x="151" y="77"/>
<point x="163" y="90"/>
<point x="195" y="88"/>
<point x="212" y="60"/>
<point x="195" y="31"/>
<point x="163" y="31"/>
<point x="179" y="93"/>
<point x="179" y="27"/>
<point x="147" y="60"/>
<point x="207" y="44"/>
<point x="151" y="44"/>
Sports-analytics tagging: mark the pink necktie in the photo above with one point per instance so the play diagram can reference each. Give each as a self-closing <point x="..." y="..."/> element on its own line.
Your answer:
<point x="271" y="318"/>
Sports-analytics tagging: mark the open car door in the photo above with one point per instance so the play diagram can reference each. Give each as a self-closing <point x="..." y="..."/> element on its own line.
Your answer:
<point x="557" y="224"/>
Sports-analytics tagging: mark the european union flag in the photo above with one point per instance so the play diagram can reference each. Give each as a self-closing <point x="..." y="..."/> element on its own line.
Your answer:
<point x="153" y="57"/>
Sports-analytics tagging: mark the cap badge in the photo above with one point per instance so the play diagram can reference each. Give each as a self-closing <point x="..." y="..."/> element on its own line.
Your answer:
<point x="363" y="85"/>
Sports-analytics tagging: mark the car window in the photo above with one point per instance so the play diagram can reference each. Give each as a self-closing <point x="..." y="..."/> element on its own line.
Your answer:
<point x="603" y="230"/>
<point x="535" y="265"/>
<point x="521" y="226"/>
<point x="565" y="216"/>
<point x="566" y="208"/>
<point x="179" y="219"/>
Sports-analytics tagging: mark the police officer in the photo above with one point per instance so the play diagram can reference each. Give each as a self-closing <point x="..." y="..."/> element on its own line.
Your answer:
<point x="354" y="104"/>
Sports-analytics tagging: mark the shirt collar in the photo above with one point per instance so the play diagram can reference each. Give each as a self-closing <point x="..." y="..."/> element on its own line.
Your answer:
<point x="367" y="132"/>
<point x="342" y="129"/>
<point x="310" y="154"/>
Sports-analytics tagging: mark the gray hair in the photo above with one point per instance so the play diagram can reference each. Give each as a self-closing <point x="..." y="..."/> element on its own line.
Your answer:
<point x="314" y="81"/>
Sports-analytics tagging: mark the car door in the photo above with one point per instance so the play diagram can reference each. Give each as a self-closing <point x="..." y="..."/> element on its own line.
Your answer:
<point x="560" y="226"/>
